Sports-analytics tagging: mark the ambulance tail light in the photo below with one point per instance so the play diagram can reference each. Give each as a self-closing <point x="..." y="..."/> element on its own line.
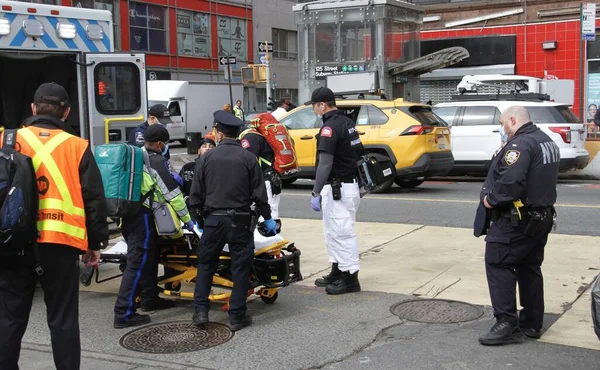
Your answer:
<point x="564" y="132"/>
<point x="417" y="130"/>
<point x="4" y="26"/>
<point x="6" y="8"/>
<point x="66" y="30"/>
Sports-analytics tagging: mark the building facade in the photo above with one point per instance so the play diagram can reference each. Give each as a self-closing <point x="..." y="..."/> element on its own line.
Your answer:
<point x="539" y="38"/>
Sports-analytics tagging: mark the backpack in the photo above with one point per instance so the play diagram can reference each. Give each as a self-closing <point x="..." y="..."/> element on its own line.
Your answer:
<point x="280" y="141"/>
<point x="19" y="199"/>
<point x="122" y="170"/>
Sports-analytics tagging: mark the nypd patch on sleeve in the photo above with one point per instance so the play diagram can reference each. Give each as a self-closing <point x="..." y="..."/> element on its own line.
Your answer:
<point x="511" y="157"/>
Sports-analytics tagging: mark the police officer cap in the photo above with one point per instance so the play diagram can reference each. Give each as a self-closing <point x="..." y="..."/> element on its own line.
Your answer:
<point x="156" y="133"/>
<point x="227" y="119"/>
<point x="321" y="95"/>
<point x="52" y="93"/>
<point x="161" y="112"/>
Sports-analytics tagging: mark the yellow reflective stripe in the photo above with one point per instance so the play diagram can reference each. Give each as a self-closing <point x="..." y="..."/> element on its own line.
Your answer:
<point x="51" y="203"/>
<point x="44" y="155"/>
<point x="62" y="227"/>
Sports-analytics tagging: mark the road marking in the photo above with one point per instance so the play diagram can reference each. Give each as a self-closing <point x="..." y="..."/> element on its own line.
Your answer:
<point x="448" y="200"/>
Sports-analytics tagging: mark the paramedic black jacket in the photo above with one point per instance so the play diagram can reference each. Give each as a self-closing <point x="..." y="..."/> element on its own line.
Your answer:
<point x="258" y="145"/>
<point x="94" y="201"/>
<point x="526" y="168"/>
<point x="228" y="177"/>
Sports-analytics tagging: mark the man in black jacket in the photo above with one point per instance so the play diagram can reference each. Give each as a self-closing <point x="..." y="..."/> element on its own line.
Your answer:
<point x="72" y="221"/>
<point x="227" y="181"/>
<point x="519" y="194"/>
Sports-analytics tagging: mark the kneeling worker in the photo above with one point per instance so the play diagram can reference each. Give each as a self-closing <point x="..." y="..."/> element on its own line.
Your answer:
<point x="227" y="180"/>
<point x="139" y="232"/>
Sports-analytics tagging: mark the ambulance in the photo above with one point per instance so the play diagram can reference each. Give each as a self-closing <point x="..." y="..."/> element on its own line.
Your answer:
<point x="73" y="47"/>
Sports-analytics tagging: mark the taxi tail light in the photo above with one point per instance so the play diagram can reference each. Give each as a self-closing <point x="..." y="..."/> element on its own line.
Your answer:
<point x="417" y="130"/>
<point x="564" y="132"/>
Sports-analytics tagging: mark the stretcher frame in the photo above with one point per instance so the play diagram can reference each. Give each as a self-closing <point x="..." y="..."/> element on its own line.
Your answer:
<point x="185" y="265"/>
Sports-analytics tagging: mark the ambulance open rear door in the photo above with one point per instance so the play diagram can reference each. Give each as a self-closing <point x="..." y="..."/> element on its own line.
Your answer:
<point x="117" y="98"/>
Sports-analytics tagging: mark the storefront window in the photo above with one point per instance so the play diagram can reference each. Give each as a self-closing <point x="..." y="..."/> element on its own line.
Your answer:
<point x="147" y="28"/>
<point x="232" y="38"/>
<point x="193" y="34"/>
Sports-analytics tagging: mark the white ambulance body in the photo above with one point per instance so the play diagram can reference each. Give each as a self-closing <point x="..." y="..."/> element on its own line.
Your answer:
<point x="74" y="48"/>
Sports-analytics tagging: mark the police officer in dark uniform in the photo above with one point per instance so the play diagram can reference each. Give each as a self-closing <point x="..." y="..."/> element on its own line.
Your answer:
<point x="157" y="114"/>
<point x="517" y="197"/>
<point x="227" y="181"/>
<point x="336" y="192"/>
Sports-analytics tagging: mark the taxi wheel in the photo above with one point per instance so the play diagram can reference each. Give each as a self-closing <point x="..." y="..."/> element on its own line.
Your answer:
<point x="408" y="184"/>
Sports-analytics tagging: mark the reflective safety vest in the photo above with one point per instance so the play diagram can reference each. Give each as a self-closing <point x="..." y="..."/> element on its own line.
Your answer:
<point x="56" y="157"/>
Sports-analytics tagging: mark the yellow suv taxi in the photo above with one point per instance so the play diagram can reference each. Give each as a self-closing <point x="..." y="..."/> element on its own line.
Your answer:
<point x="409" y="134"/>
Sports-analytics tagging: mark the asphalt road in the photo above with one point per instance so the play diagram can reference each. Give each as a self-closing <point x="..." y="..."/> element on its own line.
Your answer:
<point x="452" y="202"/>
<point x="447" y="202"/>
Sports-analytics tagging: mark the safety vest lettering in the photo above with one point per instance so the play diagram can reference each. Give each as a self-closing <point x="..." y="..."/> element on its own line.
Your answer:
<point x="59" y="216"/>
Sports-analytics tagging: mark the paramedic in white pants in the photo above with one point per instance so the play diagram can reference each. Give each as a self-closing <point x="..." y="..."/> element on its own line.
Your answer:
<point x="336" y="192"/>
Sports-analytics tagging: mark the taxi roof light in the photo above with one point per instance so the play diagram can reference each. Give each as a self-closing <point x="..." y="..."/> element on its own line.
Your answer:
<point x="66" y="30"/>
<point x="4" y="26"/>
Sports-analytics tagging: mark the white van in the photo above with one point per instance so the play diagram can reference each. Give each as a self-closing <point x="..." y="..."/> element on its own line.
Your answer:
<point x="474" y="131"/>
<point x="191" y="104"/>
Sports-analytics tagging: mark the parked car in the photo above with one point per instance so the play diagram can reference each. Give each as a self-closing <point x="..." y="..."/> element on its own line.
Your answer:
<point x="474" y="126"/>
<point x="409" y="134"/>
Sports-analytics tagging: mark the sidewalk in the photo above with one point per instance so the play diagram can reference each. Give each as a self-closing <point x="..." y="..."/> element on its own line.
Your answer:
<point x="306" y="328"/>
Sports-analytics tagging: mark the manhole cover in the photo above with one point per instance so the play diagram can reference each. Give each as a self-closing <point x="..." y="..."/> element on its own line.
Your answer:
<point x="436" y="311"/>
<point x="176" y="337"/>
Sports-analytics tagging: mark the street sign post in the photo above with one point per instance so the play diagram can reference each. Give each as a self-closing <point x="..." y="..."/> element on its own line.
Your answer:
<point x="265" y="46"/>
<point x="228" y="61"/>
<point x="588" y="33"/>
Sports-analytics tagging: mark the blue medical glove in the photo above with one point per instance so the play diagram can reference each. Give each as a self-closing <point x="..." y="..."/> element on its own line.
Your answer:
<point x="315" y="203"/>
<point x="190" y="225"/>
<point x="197" y="228"/>
<point x="178" y="179"/>
<point x="271" y="225"/>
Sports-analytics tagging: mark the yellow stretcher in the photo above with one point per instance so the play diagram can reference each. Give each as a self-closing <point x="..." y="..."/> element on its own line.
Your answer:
<point x="276" y="265"/>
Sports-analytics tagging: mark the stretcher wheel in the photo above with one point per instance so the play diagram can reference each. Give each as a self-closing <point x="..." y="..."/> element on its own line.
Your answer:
<point x="270" y="300"/>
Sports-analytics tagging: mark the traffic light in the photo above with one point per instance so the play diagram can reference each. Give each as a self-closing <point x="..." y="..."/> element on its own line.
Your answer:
<point x="254" y="73"/>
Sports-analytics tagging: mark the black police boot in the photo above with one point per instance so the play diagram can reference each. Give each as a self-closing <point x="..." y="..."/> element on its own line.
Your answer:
<point x="134" y="319"/>
<point x="532" y="333"/>
<point x="200" y="318"/>
<point x="502" y="332"/>
<point x="329" y="279"/>
<point x="236" y="324"/>
<point x="347" y="283"/>
<point x="157" y="304"/>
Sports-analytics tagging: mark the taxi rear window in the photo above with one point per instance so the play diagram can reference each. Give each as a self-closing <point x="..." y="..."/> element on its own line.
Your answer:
<point x="425" y="116"/>
<point x="554" y="114"/>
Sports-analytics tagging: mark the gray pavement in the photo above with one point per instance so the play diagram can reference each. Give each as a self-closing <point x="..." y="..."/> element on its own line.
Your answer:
<point x="306" y="329"/>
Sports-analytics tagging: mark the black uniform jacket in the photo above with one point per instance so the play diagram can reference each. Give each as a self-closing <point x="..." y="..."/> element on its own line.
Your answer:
<point x="525" y="169"/>
<point x="258" y="145"/>
<point x="91" y="185"/>
<point x="229" y="177"/>
<point x="339" y="137"/>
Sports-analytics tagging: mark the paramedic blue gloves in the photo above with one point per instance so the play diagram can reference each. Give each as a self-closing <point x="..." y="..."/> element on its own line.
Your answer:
<point x="190" y="225"/>
<point x="315" y="203"/>
<point x="271" y="226"/>
<point x="197" y="229"/>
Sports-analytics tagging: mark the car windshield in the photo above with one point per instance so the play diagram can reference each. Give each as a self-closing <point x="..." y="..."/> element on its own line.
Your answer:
<point x="426" y="117"/>
<point x="552" y="114"/>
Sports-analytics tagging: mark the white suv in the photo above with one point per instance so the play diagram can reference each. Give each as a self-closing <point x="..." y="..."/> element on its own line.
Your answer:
<point x="474" y="131"/>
